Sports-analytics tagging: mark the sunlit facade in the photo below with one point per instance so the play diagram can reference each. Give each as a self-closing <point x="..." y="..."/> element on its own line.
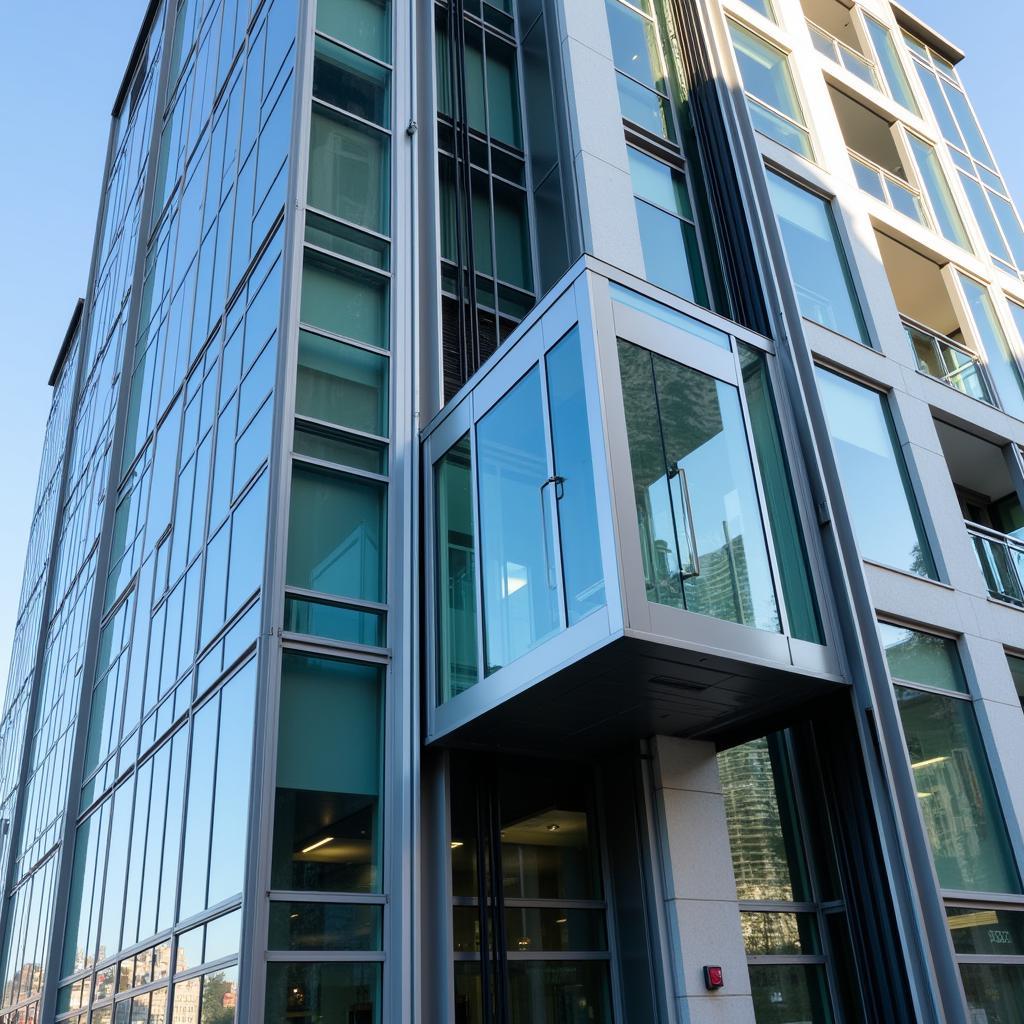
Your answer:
<point x="530" y="530"/>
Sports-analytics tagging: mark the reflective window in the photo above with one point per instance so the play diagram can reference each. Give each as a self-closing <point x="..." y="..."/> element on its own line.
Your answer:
<point x="817" y="261"/>
<point x="456" y="568"/>
<point x="336" y="534"/>
<point x="890" y="64"/>
<point x="345" y="300"/>
<point x="771" y="92"/>
<point x="323" y="993"/>
<point x="701" y="533"/>
<point x="874" y="476"/>
<point x="937" y="188"/>
<point x="924" y="658"/>
<point x="580" y="541"/>
<point x="325" y="926"/>
<point x="668" y="231"/>
<point x="1002" y="364"/>
<point x="1016" y="663"/>
<point x="520" y="589"/>
<point x="995" y="992"/>
<point x="327" y="833"/>
<point x="365" y="24"/>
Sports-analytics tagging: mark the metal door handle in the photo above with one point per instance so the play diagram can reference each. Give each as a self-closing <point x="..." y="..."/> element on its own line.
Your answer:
<point x="550" y="569"/>
<point x="691" y="535"/>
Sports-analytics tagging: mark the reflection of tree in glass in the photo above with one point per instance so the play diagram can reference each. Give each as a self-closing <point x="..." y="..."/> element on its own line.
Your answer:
<point x="220" y="997"/>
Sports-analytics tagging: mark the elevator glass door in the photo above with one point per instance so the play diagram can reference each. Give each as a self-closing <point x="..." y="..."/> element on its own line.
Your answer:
<point x="529" y="915"/>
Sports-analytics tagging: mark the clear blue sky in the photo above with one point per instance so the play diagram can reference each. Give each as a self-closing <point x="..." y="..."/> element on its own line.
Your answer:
<point x="62" y="64"/>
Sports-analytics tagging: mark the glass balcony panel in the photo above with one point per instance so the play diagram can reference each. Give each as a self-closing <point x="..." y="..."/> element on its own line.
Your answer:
<point x="1002" y="563"/>
<point x="858" y="65"/>
<point x="868" y="179"/>
<point x="520" y="589"/>
<point x="823" y="42"/>
<point x="938" y="357"/>
<point x="905" y="200"/>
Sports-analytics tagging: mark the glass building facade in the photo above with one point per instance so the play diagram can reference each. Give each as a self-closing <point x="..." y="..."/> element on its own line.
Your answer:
<point x="528" y="530"/>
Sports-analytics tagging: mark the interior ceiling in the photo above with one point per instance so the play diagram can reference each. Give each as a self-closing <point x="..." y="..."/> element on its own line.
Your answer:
<point x="973" y="463"/>
<point x="918" y="287"/>
<point x="866" y="133"/>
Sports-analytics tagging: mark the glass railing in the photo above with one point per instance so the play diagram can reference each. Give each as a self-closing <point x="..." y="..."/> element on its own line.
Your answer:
<point x="888" y="188"/>
<point x="846" y="56"/>
<point x="1001" y="558"/>
<point x="946" y="360"/>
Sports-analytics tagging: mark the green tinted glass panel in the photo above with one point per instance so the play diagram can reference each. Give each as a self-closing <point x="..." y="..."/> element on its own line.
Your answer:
<point x="327" y="446"/>
<point x="790" y="548"/>
<point x="345" y="240"/>
<point x="503" y="94"/>
<point x="346" y="80"/>
<point x="333" y="621"/>
<point x="583" y="985"/>
<point x="456" y="568"/>
<point x="770" y="933"/>
<point x="325" y="926"/>
<point x="512" y="236"/>
<point x="1002" y="364"/>
<point x="671" y="253"/>
<point x="364" y="24"/>
<point x="342" y="384"/>
<point x="956" y="793"/>
<point x="327" y="801"/>
<point x="343" y="299"/>
<point x="816" y="259"/>
<point x="874" y="476"/>
<point x="995" y="992"/>
<point x="349" y="170"/>
<point x="986" y="931"/>
<point x="924" y="658"/>
<point x="1017" y="672"/>
<point x="327" y="993"/>
<point x="787" y="993"/>
<point x="336" y="535"/>
<point x="644" y="107"/>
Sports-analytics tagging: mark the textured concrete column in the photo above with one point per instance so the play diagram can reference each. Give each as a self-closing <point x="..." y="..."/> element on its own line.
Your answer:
<point x="699" y="890"/>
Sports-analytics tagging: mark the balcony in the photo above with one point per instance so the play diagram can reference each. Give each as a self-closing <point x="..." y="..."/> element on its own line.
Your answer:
<point x="1001" y="557"/>
<point x="845" y="55"/>
<point x="613" y="543"/>
<point x="888" y="188"/>
<point x="948" y="361"/>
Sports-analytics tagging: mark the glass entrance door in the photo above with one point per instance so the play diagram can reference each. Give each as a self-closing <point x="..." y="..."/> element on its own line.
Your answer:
<point x="701" y="531"/>
<point x="529" y="914"/>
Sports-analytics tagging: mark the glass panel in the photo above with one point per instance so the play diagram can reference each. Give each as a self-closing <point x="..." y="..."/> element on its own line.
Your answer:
<point x="904" y="200"/>
<point x="762" y="7"/>
<point x="512" y="236"/>
<point x="559" y="990"/>
<point x="995" y="992"/>
<point x="671" y="253"/>
<point x="350" y="82"/>
<point x="1001" y="362"/>
<point x="364" y="24"/>
<point x="937" y="99"/>
<point x="780" y="934"/>
<point x="635" y="45"/>
<point x="874" y="476"/>
<point x="327" y="802"/>
<point x="503" y="94"/>
<point x="695" y="492"/>
<point x="659" y="184"/>
<point x="868" y="179"/>
<point x="776" y="127"/>
<point x="985" y="218"/>
<point x="787" y="535"/>
<point x="341" y="384"/>
<point x="348" y="170"/>
<point x="325" y="926"/>
<point x="370" y="456"/>
<point x="976" y="144"/>
<point x="345" y="300"/>
<point x="456" y="567"/>
<point x="335" y="622"/>
<point x="329" y="993"/>
<point x="348" y="241"/>
<point x="336" y="534"/>
<point x="582" y="569"/>
<point x="816" y="259"/>
<point x="956" y="793"/>
<point x="645" y="108"/>
<point x="986" y="931"/>
<point x="1017" y="672"/>
<point x="519" y="580"/>
<point x="790" y="994"/>
<point x="943" y="205"/>
<point x="922" y="658"/>
<point x="1012" y="232"/>
<point x="766" y="74"/>
<point x="767" y="856"/>
<point x="889" y="61"/>
<point x="694" y="328"/>
<point x="533" y="929"/>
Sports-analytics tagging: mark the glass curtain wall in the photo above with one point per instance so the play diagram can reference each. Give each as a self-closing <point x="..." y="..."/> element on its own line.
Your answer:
<point x="986" y="190"/>
<point x="325" y="959"/>
<point x="663" y="159"/>
<point x="955" y="789"/>
<point x="792" y="910"/>
<point x="487" y="256"/>
<point x="153" y="915"/>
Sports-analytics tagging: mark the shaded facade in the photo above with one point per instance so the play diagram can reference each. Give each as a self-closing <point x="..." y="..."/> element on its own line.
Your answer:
<point x="531" y="510"/>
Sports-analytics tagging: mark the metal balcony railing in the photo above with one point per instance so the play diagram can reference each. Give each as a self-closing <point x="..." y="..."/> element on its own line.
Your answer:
<point x="844" y="55"/>
<point x="948" y="361"/>
<point x="1001" y="558"/>
<point x="888" y="188"/>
